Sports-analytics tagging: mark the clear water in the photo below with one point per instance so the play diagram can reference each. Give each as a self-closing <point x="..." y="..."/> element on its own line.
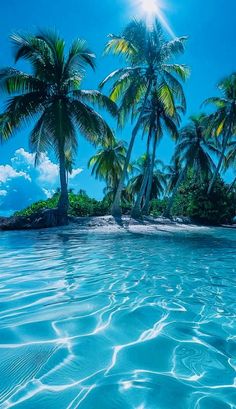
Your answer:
<point x="117" y="321"/>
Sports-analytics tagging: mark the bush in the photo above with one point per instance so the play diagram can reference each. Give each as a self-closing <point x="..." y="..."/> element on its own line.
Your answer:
<point x="80" y="205"/>
<point x="42" y="204"/>
<point x="193" y="201"/>
<point x="83" y="205"/>
<point x="157" y="207"/>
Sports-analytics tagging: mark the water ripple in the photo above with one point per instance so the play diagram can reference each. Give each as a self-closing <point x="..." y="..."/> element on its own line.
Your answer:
<point x="117" y="321"/>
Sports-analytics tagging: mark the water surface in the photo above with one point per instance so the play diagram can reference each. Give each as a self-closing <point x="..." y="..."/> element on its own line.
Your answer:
<point x="117" y="321"/>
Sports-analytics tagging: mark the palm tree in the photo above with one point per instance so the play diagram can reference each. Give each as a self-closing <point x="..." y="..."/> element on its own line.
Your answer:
<point x="159" y="116"/>
<point x="52" y="98"/>
<point x="230" y="160"/>
<point x="107" y="163"/>
<point x="137" y="173"/>
<point x="148" y="58"/>
<point x="173" y="172"/>
<point x="223" y="121"/>
<point x="193" y="151"/>
<point x="158" y="179"/>
<point x="158" y="183"/>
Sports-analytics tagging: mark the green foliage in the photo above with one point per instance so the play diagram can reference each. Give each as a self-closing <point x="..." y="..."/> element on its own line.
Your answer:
<point x="192" y="201"/>
<point x="216" y="208"/>
<point x="41" y="205"/>
<point x="83" y="205"/>
<point x="80" y="205"/>
<point x="195" y="147"/>
<point x="108" y="162"/>
<point x="157" y="207"/>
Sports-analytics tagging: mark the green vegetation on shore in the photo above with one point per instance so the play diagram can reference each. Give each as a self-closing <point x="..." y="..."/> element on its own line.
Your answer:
<point x="80" y="205"/>
<point x="192" y="201"/>
<point x="147" y="91"/>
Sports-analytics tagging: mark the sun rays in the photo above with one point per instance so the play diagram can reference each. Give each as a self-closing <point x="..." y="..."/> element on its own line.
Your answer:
<point x="151" y="9"/>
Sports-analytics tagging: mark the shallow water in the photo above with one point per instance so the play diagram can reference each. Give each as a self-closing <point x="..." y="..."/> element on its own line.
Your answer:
<point x="117" y="321"/>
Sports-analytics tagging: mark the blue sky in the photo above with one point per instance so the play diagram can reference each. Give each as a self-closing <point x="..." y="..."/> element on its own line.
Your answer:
<point x="210" y="54"/>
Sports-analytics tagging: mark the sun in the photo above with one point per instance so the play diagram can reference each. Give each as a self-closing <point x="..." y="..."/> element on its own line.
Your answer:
<point x="150" y="10"/>
<point x="149" y="7"/>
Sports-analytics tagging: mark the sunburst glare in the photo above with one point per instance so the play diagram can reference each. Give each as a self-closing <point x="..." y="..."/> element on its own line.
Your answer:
<point x="151" y="9"/>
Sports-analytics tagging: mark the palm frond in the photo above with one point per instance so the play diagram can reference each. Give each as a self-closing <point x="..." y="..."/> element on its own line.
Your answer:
<point x="96" y="98"/>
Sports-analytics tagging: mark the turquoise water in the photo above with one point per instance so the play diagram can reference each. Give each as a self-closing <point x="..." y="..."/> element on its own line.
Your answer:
<point x="118" y="321"/>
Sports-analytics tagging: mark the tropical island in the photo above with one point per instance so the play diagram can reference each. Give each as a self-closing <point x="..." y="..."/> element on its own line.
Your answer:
<point x="117" y="204"/>
<point x="148" y="91"/>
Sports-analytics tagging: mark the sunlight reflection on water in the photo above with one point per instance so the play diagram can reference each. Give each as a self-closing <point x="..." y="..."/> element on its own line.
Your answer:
<point x="117" y="321"/>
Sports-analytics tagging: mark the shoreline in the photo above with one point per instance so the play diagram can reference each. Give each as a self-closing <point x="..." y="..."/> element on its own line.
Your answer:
<point x="109" y="224"/>
<point x="149" y="225"/>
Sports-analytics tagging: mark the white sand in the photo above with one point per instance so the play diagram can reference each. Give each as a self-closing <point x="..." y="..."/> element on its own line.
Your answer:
<point x="107" y="224"/>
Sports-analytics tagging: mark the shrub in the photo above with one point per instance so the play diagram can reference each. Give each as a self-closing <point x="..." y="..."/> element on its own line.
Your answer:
<point x="157" y="207"/>
<point x="42" y="204"/>
<point x="80" y="205"/>
<point x="193" y="201"/>
<point x="83" y="205"/>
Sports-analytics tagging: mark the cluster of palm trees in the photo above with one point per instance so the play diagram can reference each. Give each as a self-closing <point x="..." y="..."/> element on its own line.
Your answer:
<point x="147" y="90"/>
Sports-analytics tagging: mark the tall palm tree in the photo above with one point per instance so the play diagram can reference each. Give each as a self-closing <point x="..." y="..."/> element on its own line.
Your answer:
<point x="193" y="151"/>
<point x="223" y="121"/>
<point x="107" y="163"/>
<point x="148" y="57"/>
<point x="51" y="97"/>
<point x="159" y="116"/>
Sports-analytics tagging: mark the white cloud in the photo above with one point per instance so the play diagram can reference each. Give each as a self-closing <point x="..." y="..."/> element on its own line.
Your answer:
<point x="75" y="172"/>
<point x="21" y="183"/>
<point x="47" y="170"/>
<point x="7" y="172"/>
<point x="48" y="193"/>
<point x="22" y="157"/>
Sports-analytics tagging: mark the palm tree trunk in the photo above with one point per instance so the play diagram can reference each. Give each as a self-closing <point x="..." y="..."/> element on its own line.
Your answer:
<point x="213" y="180"/>
<point x="63" y="203"/>
<point x="150" y="180"/>
<point x="167" y="212"/>
<point x="137" y="211"/>
<point x="116" y="207"/>
<point x="232" y="185"/>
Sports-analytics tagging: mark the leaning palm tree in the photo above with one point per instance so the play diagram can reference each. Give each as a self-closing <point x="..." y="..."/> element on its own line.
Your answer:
<point x="223" y="121"/>
<point x="52" y="98"/>
<point x="148" y="57"/>
<point x="159" y="116"/>
<point x="107" y="163"/>
<point x="193" y="151"/>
